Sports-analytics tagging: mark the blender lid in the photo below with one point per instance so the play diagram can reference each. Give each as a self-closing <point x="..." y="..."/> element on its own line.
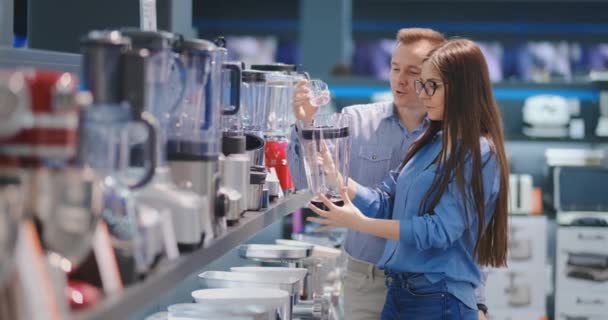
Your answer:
<point x="105" y="37"/>
<point x="325" y="133"/>
<point x="151" y="40"/>
<point x="192" y="44"/>
<point x="253" y="76"/>
<point x="280" y="67"/>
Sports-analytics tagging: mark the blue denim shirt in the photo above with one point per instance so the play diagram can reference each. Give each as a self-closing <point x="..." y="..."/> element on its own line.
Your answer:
<point x="440" y="243"/>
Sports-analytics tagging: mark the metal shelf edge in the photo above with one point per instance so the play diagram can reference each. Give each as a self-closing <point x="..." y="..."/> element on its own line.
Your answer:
<point x="136" y="297"/>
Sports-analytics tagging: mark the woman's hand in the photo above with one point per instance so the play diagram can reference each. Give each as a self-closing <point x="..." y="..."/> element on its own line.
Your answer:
<point x="347" y="216"/>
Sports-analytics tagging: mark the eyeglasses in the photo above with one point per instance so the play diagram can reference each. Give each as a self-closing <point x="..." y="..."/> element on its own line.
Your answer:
<point x="429" y="86"/>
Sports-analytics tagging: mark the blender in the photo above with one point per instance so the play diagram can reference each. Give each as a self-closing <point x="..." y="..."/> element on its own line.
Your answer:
<point x="63" y="199"/>
<point x="164" y="89"/>
<point x="281" y="80"/>
<point x="254" y="91"/>
<point x="326" y="149"/>
<point x="116" y="76"/>
<point x="194" y="134"/>
<point x="234" y="162"/>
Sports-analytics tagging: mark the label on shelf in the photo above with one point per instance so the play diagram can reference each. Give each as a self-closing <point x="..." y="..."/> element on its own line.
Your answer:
<point x="147" y="15"/>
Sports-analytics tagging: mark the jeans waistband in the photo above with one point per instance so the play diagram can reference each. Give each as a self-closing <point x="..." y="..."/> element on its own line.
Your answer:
<point x="401" y="278"/>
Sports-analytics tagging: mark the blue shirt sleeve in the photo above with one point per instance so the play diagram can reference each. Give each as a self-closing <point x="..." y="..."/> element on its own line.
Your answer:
<point x="448" y="222"/>
<point x="377" y="202"/>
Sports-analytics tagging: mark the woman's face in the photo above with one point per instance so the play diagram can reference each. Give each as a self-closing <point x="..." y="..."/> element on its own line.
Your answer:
<point x="431" y="91"/>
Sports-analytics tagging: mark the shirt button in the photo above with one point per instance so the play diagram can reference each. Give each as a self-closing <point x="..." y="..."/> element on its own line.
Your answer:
<point x="374" y="157"/>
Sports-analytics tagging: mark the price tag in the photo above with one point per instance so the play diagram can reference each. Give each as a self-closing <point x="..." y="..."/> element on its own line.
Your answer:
<point x="147" y="15"/>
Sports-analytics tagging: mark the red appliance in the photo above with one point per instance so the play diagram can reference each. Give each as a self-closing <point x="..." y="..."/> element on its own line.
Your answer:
<point x="276" y="157"/>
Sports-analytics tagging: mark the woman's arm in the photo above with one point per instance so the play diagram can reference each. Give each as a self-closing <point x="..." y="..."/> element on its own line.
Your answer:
<point x="383" y="228"/>
<point x="350" y="217"/>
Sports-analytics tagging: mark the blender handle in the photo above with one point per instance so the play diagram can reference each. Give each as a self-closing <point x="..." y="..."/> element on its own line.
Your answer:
<point x="149" y="122"/>
<point x="235" y="86"/>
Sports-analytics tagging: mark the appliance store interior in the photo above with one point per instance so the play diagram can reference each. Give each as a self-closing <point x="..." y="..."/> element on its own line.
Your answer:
<point x="186" y="192"/>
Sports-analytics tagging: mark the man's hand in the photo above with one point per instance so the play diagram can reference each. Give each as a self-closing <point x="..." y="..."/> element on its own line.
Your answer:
<point x="302" y="108"/>
<point x="482" y="315"/>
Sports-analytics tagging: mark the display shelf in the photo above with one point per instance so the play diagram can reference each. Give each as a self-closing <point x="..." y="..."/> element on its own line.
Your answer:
<point x="136" y="297"/>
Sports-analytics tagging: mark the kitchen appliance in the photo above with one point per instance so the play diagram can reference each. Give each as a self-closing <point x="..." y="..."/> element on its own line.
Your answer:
<point x="519" y="248"/>
<point x="520" y="193"/>
<point x="519" y="293"/>
<point x="281" y="79"/>
<point x="255" y="190"/>
<point x="199" y="311"/>
<point x="235" y="175"/>
<point x="573" y="200"/>
<point x="221" y="279"/>
<point x="269" y="300"/>
<point x="63" y="198"/>
<point x="254" y="95"/>
<point x="546" y="116"/>
<point x="315" y="303"/>
<point x="325" y="146"/>
<point x="314" y="309"/>
<point x="587" y="266"/>
<point x="194" y="132"/>
<point x="322" y="266"/>
<point x="164" y="91"/>
<point x="116" y="75"/>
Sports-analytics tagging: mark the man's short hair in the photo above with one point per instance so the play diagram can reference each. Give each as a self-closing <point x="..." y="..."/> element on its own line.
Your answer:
<point x="412" y="35"/>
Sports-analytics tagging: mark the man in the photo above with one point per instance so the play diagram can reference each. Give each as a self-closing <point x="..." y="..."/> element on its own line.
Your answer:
<point x="381" y="134"/>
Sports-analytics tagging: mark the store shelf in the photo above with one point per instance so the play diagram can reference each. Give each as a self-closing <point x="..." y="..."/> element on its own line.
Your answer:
<point x="139" y="295"/>
<point x="524" y="138"/>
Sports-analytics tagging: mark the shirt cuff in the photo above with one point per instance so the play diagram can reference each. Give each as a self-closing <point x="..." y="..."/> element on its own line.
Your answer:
<point x="406" y="231"/>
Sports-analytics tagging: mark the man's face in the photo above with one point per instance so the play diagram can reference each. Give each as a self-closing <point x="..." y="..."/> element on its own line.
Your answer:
<point x="405" y="68"/>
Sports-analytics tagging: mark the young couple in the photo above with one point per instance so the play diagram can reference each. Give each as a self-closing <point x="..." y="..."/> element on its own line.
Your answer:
<point x="426" y="202"/>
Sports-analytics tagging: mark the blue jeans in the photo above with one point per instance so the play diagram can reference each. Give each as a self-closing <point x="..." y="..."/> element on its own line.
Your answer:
<point x="411" y="296"/>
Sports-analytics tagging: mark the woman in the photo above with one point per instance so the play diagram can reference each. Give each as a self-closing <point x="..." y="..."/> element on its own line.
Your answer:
<point x="446" y="208"/>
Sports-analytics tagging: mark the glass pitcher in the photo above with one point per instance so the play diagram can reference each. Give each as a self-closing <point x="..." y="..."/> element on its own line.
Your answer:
<point x="194" y="124"/>
<point x="279" y="123"/>
<point x="326" y="150"/>
<point x="254" y="95"/>
<point x="165" y="82"/>
<point x="115" y="76"/>
<point x="278" y="104"/>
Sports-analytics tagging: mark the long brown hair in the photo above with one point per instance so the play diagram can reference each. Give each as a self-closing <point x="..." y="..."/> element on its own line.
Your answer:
<point x="470" y="113"/>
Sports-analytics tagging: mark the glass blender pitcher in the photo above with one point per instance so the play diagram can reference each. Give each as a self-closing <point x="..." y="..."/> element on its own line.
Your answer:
<point x="194" y="132"/>
<point x="115" y="74"/>
<point x="165" y="87"/>
<point x="281" y="82"/>
<point x="326" y="149"/>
